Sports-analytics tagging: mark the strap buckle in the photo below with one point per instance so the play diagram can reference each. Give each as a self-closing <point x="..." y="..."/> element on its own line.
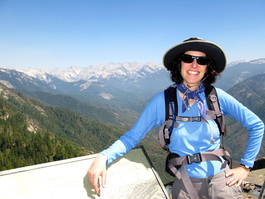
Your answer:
<point x="189" y="119"/>
<point x="195" y="158"/>
<point x="184" y="119"/>
<point x="196" y="119"/>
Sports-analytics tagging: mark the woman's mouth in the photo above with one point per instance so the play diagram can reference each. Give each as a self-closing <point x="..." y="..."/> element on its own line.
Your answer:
<point x="192" y="72"/>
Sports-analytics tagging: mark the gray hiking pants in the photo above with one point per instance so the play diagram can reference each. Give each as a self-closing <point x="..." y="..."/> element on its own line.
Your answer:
<point x="213" y="187"/>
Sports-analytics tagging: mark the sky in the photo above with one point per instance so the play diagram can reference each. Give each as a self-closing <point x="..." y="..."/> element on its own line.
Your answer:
<point x="47" y="34"/>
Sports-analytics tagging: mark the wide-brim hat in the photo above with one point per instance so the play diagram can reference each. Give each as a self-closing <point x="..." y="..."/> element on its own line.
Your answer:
<point x="196" y="44"/>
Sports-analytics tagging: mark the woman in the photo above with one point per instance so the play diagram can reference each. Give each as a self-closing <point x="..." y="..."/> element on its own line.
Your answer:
<point x="194" y="65"/>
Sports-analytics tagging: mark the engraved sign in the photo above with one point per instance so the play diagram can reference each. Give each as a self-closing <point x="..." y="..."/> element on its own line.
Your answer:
<point x="131" y="176"/>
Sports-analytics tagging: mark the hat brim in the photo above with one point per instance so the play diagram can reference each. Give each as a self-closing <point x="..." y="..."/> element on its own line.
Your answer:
<point x="210" y="49"/>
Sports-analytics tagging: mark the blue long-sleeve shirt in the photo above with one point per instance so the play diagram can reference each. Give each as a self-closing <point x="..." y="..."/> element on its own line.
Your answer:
<point x="193" y="137"/>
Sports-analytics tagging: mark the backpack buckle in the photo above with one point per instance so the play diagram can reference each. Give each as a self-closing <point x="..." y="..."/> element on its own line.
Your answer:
<point x="196" y="119"/>
<point x="195" y="158"/>
<point x="189" y="119"/>
<point x="184" y="119"/>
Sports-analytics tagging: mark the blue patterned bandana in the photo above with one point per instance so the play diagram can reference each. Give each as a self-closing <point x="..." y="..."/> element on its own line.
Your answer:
<point x="188" y="94"/>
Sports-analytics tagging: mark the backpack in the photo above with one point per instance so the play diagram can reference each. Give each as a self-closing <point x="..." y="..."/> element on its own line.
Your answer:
<point x="171" y="116"/>
<point x="173" y="161"/>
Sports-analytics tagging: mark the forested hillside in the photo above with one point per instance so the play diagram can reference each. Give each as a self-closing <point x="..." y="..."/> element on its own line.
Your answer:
<point x="251" y="93"/>
<point x="19" y="147"/>
<point x="97" y="112"/>
<point x="32" y="133"/>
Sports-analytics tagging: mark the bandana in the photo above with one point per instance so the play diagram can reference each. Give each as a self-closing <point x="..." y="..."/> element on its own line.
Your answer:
<point x="188" y="94"/>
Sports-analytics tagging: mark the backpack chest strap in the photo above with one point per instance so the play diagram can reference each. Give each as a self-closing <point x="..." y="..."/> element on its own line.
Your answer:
<point x="167" y="127"/>
<point x="211" y="115"/>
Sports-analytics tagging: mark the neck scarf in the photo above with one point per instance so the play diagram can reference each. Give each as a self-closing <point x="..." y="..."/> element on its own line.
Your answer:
<point x="188" y="94"/>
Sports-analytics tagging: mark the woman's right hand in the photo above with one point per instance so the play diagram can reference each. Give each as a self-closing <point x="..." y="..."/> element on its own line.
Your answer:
<point x="96" y="171"/>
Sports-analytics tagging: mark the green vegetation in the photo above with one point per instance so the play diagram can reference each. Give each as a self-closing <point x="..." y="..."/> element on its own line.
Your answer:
<point x="31" y="133"/>
<point x="19" y="147"/>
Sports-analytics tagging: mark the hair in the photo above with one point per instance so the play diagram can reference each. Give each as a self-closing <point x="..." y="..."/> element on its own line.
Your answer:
<point x="175" y="68"/>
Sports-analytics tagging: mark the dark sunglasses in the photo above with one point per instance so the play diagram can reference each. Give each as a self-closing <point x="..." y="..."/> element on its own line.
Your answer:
<point x="189" y="59"/>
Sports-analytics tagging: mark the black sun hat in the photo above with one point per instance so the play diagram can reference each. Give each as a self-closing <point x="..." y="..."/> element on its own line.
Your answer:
<point x="196" y="44"/>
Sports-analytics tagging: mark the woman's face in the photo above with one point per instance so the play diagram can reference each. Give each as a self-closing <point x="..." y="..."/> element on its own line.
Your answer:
<point x="193" y="72"/>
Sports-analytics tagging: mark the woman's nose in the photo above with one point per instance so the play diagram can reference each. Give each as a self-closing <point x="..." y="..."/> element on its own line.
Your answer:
<point x="194" y="63"/>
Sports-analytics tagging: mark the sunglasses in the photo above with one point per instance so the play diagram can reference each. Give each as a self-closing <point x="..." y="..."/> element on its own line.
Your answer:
<point x="189" y="59"/>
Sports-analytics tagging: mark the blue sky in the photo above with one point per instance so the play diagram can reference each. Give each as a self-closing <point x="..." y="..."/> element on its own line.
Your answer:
<point x="47" y="34"/>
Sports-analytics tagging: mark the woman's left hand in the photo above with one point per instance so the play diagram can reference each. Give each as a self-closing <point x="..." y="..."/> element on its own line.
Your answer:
<point x="237" y="175"/>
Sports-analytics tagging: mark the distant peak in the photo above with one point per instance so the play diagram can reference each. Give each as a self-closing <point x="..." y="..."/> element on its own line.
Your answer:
<point x="258" y="61"/>
<point x="130" y="69"/>
<point x="235" y="63"/>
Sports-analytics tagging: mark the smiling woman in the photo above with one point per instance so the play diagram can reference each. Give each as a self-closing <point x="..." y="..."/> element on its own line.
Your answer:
<point x="197" y="157"/>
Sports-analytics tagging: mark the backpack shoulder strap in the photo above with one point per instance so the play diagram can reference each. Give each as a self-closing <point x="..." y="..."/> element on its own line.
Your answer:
<point x="213" y="104"/>
<point x="171" y="110"/>
<point x="171" y="104"/>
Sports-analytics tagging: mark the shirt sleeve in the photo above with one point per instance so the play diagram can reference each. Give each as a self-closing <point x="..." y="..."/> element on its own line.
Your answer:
<point x="231" y="107"/>
<point x="152" y="116"/>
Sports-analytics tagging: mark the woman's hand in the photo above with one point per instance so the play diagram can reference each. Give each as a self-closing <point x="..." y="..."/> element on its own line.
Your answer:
<point x="237" y="175"/>
<point x="96" y="171"/>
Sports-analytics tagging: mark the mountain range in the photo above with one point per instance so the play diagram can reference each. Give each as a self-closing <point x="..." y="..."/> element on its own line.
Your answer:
<point x="119" y="87"/>
<point x="117" y="93"/>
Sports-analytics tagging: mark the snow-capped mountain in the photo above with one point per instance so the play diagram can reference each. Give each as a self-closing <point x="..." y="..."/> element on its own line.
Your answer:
<point x="257" y="61"/>
<point x="124" y="71"/>
<point x="234" y="63"/>
<point x="112" y="70"/>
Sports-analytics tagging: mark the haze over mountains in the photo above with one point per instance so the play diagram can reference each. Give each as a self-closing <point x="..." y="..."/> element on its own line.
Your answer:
<point x="124" y="84"/>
